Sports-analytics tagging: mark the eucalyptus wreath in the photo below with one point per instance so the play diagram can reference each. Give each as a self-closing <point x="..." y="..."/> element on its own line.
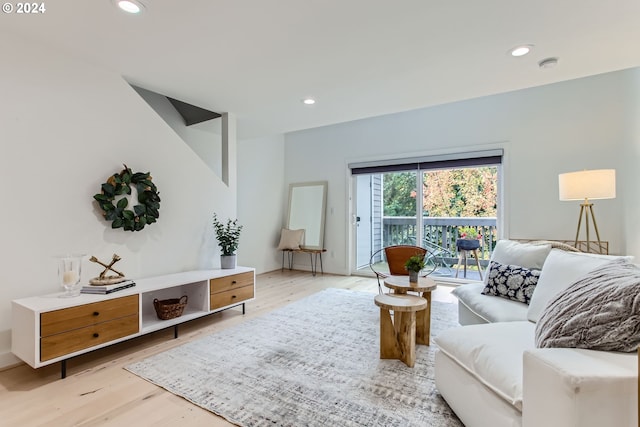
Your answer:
<point x="119" y="184"/>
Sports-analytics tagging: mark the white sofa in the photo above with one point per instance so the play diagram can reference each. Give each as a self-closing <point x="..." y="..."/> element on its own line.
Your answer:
<point x="491" y="373"/>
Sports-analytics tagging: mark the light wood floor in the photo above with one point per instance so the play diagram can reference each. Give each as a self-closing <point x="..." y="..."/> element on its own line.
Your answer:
<point x="98" y="391"/>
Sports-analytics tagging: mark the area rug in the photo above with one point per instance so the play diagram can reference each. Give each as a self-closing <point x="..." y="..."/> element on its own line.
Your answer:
<point x="314" y="362"/>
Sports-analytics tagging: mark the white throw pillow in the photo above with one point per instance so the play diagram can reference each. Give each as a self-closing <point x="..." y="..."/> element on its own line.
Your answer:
<point x="560" y="270"/>
<point x="290" y="239"/>
<point x="509" y="252"/>
<point x="526" y="255"/>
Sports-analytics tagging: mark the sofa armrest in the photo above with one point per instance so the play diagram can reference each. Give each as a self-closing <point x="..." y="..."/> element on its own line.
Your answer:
<point x="573" y="387"/>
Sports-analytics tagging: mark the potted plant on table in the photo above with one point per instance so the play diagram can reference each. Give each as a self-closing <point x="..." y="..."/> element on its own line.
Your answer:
<point x="228" y="236"/>
<point x="469" y="239"/>
<point x="414" y="265"/>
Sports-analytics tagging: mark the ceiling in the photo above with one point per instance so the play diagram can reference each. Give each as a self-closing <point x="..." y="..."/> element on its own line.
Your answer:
<point x="359" y="58"/>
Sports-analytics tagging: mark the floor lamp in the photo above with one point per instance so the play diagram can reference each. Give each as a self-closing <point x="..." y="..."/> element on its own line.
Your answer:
<point x="587" y="185"/>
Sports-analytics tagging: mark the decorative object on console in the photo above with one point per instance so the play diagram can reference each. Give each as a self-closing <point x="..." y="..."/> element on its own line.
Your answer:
<point x="119" y="186"/>
<point x="170" y="308"/>
<point x="103" y="279"/>
<point x="107" y="289"/>
<point x="585" y="185"/>
<point x="228" y="236"/>
<point x="69" y="268"/>
<point x="414" y="265"/>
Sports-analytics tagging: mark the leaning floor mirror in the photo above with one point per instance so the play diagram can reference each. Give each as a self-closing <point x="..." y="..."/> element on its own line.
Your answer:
<point x="307" y="205"/>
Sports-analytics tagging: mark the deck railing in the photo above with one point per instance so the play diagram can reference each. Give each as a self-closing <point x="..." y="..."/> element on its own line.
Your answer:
<point x="439" y="231"/>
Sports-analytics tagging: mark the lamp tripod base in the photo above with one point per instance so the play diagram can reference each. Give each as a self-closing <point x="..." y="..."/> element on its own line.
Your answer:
<point x="586" y="209"/>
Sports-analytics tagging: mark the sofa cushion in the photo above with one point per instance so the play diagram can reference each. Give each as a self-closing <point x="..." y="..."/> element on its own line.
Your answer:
<point x="511" y="281"/>
<point x="560" y="270"/>
<point x="601" y="311"/>
<point x="526" y="255"/>
<point x="489" y="308"/>
<point x="492" y="353"/>
<point x="522" y="254"/>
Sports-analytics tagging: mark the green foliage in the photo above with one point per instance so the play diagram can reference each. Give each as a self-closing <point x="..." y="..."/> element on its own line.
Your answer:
<point x="468" y="233"/>
<point x="119" y="184"/>
<point x="399" y="192"/>
<point x="466" y="192"/>
<point x="415" y="263"/>
<point x="228" y="235"/>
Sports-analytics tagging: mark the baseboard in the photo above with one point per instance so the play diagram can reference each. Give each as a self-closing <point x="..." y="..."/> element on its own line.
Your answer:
<point x="8" y="360"/>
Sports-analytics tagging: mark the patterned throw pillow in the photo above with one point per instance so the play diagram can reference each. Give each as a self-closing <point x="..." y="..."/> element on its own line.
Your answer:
<point x="511" y="281"/>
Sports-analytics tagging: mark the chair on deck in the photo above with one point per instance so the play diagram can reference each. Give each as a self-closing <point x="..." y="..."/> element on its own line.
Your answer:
<point x="396" y="256"/>
<point x="440" y="258"/>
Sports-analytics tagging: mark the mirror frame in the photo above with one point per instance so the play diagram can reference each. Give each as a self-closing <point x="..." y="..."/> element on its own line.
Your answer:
<point x="297" y="219"/>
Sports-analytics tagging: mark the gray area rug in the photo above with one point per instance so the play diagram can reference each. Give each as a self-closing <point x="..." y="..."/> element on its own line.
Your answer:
<point x="314" y="362"/>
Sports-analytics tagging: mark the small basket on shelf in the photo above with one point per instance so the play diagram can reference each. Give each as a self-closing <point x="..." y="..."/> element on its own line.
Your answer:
<point x="170" y="308"/>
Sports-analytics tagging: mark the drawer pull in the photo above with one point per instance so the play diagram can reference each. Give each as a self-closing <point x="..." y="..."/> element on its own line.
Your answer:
<point x="233" y="296"/>
<point x="96" y="313"/>
<point x="233" y="282"/>
<point x="96" y="335"/>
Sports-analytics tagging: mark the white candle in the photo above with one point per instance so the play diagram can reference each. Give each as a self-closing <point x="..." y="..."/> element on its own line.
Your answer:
<point x="69" y="277"/>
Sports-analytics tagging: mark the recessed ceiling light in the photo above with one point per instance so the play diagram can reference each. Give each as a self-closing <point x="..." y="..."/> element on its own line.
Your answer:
<point x="521" y="50"/>
<point x="130" y="6"/>
<point x="548" y="63"/>
<point x="308" y="101"/>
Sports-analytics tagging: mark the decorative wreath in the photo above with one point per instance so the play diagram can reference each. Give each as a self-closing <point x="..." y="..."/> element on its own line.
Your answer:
<point x="119" y="184"/>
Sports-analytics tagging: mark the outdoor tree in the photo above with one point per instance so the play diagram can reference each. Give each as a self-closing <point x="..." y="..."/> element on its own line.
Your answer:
<point x="399" y="190"/>
<point x="468" y="192"/>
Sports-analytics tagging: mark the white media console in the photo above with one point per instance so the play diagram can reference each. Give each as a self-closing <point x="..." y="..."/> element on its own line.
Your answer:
<point x="48" y="329"/>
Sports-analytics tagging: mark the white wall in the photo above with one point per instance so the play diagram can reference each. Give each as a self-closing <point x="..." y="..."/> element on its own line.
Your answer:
<point x="574" y="125"/>
<point x="65" y="127"/>
<point x="262" y="201"/>
<point x="204" y="138"/>
<point x="629" y="180"/>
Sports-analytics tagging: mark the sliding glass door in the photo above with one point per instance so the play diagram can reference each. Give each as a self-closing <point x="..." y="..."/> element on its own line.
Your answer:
<point x="425" y="207"/>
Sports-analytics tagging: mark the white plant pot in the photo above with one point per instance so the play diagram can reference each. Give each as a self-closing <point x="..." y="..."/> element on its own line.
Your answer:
<point x="227" y="261"/>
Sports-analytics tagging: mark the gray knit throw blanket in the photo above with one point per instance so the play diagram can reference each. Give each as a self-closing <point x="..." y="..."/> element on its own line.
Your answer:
<point x="600" y="311"/>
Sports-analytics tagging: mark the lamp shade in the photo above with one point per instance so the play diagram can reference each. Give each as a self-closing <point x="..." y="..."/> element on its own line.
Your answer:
<point x="588" y="184"/>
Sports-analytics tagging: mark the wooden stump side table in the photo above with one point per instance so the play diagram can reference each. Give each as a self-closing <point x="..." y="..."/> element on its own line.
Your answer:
<point x="424" y="286"/>
<point x="398" y="336"/>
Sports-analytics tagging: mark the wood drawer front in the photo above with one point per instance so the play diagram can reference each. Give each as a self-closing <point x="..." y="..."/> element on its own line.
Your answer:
<point x="223" y="284"/>
<point x="223" y="299"/>
<point x="67" y="319"/>
<point x="89" y="336"/>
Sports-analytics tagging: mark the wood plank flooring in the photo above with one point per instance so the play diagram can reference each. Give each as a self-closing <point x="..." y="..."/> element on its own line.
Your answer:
<point x="99" y="392"/>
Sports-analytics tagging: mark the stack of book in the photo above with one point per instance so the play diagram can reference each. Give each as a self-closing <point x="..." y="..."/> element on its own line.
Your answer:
<point x="107" y="289"/>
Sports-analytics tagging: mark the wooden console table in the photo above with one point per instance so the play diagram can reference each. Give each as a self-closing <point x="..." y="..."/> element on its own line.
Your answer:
<point x="314" y="254"/>
<point x="48" y="329"/>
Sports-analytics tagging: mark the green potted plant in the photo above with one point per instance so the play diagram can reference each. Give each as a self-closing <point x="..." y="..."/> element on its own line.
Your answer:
<point x="228" y="236"/>
<point x="469" y="238"/>
<point x="414" y="265"/>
